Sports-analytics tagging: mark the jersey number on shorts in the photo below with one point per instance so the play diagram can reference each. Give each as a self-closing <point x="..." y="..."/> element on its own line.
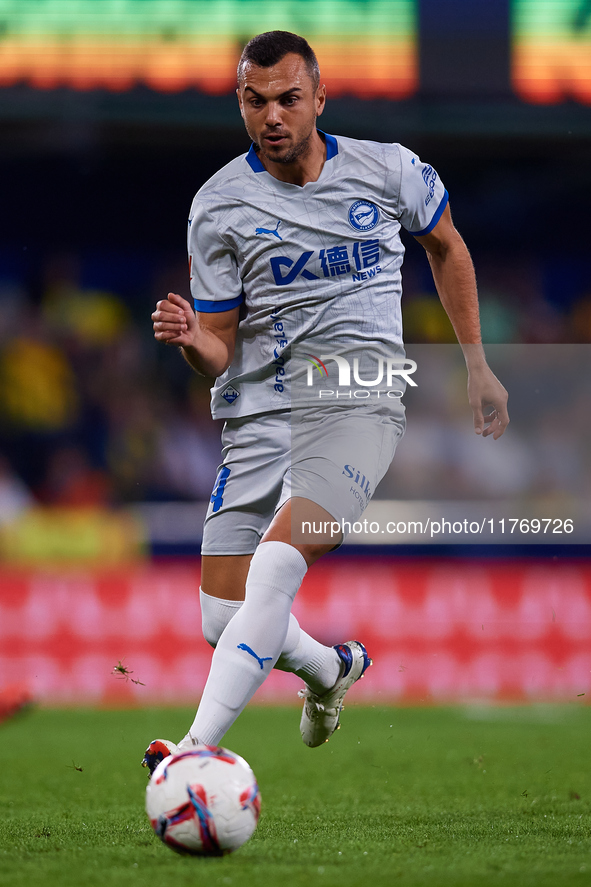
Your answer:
<point x="217" y="496"/>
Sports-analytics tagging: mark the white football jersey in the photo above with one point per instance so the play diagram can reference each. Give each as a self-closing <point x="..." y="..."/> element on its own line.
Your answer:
<point x="313" y="264"/>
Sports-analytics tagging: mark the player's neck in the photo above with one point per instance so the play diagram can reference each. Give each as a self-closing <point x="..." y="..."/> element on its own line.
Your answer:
<point x="306" y="168"/>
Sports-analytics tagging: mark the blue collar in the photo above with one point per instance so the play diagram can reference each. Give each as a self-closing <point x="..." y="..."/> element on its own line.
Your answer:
<point x="332" y="149"/>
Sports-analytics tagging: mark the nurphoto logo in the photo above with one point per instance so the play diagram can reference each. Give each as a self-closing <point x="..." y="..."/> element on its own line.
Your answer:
<point x="385" y="373"/>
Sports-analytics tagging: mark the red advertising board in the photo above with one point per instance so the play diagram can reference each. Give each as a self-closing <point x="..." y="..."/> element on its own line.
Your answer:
<point x="437" y="630"/>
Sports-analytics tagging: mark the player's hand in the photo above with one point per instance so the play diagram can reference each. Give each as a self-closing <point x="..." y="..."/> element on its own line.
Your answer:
<point x="488" y="399"/>
<point x="174" y="321"/>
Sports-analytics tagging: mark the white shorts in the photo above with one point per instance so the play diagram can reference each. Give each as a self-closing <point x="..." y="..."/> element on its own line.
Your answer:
<point x="333" y="456"/>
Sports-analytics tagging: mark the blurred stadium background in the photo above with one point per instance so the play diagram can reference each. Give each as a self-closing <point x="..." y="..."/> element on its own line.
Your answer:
<point x="113" y="113"/>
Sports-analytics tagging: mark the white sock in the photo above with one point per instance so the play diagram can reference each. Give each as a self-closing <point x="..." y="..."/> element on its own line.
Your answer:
<point x="251" y="642"/>
<point x="316" y="664"/>
<point x="215" y="615"/>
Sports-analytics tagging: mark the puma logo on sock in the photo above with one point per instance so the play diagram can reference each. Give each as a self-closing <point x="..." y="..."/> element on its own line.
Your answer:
<point x="260" y="661"/>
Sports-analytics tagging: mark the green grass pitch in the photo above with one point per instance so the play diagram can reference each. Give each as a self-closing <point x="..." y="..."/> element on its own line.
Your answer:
<point x="446" y="797"/>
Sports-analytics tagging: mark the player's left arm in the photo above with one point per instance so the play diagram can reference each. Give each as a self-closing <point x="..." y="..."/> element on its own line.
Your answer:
<point x="453" y="273"/>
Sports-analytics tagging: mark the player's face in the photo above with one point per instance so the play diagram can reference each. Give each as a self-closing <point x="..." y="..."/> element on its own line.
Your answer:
<point x="280" y="105"/>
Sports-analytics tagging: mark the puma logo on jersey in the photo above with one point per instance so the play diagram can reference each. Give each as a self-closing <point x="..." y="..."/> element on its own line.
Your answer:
<point x="260" y="661"/>
<point x="274" y="231"/>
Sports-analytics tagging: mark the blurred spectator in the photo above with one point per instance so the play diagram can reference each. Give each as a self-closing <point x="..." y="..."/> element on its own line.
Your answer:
<point x="425" y="320"/>
<point x="133" y="444"/>
<point x="15" y="497"/>
<point x="499" y="318"/>
<point x="90" y="317"/>
<point x="15" y="310"/>
<point x="71" y="481"/>
<point x="37" y="385"/>
<point x="189" y="446"/>
<point x="580" y="320"/>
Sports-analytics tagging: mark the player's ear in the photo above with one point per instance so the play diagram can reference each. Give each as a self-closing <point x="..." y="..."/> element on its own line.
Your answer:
<point x="320" y="99"/>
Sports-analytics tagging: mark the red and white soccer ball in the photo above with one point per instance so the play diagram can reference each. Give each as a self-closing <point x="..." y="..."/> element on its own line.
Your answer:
<point x="205" y="802"/>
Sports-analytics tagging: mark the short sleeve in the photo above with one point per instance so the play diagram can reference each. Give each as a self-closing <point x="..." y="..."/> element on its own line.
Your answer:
<point x="422" y="194"/>
<point x="215" y="281"/>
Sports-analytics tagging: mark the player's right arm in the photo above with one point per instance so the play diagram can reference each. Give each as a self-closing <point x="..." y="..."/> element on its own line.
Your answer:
<point x="205" y="328"/>
<point x="207" y="340"/>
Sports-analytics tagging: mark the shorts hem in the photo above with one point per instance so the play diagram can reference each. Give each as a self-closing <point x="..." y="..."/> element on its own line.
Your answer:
<point x="225" y="553"/>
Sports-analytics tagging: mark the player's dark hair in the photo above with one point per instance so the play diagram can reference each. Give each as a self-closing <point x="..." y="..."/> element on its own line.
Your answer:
<point x="269" y="48"/>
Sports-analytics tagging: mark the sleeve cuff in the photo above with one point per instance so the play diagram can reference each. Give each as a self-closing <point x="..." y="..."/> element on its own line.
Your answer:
<point x="208" y="307"/>
<point x="436" y="217"/>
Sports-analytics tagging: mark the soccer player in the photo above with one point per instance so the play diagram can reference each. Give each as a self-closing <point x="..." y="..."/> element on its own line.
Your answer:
<point x="294" y="244"/>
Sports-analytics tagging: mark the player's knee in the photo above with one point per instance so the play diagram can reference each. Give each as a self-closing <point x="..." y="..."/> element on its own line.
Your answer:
<point x="312" y="551"/>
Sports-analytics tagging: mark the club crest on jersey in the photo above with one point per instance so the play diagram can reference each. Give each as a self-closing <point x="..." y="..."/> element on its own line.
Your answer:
<point x="363" y="215"/>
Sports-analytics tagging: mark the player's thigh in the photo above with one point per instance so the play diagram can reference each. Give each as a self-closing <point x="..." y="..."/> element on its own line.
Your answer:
<point x="225" y="576"/>
<point x="297" y="512"/>
<point x="338" y="460"/>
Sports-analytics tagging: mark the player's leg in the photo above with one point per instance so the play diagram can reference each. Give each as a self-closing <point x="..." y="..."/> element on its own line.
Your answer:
<point x="234" y="676"/>
<point x="242" y="505"/>
<point x="224" y="576"/>
<point x="323" y="703"/>
<point x="259" y="631"/>
<point x="223" y="579"/>
<point x="322" y="490"/>
<point x="254" y="638"/>
<point x="339" y="456"/>
<point x="223" y="582"/>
